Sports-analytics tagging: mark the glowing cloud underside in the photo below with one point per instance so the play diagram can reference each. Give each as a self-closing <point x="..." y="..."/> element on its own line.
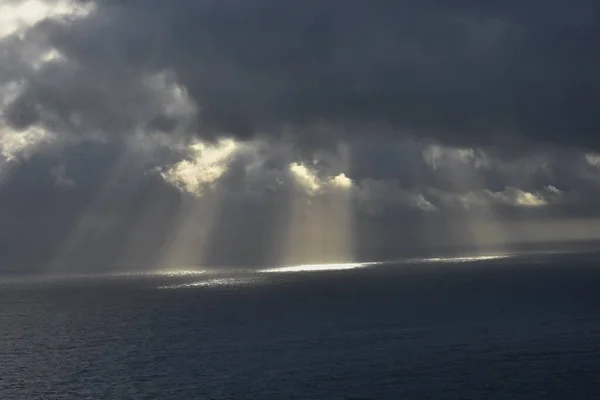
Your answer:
<point x="305" y="177"/>
<point x="14" y="144"/>
<point x="18" y="144"/>
<point x="15" y="19"/>
<point x="17" y="16"/>
<point x="341" y="181"/>
<point x="207" y="163"/>
<point x="530" y="200"/>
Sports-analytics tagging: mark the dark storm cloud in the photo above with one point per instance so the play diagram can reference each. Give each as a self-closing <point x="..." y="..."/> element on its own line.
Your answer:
<point x="513" y="84"/>
<point x="467" y="72"/>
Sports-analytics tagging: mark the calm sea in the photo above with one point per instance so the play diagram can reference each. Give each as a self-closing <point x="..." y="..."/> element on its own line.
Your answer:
<point x="523" y="327"/>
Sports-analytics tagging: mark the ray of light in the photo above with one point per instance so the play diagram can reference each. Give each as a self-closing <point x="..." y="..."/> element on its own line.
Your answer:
<point x="86" y="230"/>
<point x="187" y="243"/>
<point x="320" y="222"/>
<point x="6" y="169"/>
<point x="155" y="217"/>
<point x="478" y="226"/>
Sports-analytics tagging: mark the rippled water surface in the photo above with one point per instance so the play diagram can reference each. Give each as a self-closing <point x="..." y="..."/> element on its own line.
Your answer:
<point x="493" y="328"/>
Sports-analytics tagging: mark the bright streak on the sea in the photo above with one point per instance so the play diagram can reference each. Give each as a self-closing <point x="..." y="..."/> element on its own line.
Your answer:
<point x="319" y="267"/>
<point x="217" y="282"/>
<point x="177" y="273"/>
<point x="128" y="274"/>
<point x="464" y="259"/>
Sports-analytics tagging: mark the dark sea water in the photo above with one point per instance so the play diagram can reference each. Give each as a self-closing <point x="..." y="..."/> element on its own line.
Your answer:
<point x="516" y="328"/>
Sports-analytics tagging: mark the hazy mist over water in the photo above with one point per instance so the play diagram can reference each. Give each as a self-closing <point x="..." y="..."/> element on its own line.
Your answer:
<point x="510" y="327"/>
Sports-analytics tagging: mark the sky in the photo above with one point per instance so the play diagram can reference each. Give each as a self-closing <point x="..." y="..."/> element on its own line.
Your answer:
<point x="161" y="134"/>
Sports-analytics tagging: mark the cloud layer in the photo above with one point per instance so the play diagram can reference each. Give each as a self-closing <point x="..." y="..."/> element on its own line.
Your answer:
<point x="466" y="73"/>
<point x="421" y="113"/>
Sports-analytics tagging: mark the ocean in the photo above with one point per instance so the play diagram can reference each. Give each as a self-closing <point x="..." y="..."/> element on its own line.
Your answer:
<point x="514" y="327"/>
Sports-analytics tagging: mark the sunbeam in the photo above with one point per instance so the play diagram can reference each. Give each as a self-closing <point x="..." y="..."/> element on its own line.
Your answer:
<point x="187" y="243"/>
<point x="6" y="168"/>
<point x="477" y="226"/>
<point x="87" y="230"/>
<point x="155" y="218"/>
<point x="320" y="225"/>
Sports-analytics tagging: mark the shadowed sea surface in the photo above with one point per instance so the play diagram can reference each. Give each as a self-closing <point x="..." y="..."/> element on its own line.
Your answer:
<point x="525" y="327"/>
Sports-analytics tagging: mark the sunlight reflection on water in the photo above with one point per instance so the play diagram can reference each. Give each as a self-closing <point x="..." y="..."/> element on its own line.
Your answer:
<point x="319" y="267"/>
<point x="227" y="277"/>
<point x="216" y="282"/>
<point x="467" y="259"/>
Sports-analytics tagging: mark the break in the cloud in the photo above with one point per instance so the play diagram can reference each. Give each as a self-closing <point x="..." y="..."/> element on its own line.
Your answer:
<point x="410" y="109"/>
<point x="16" y="16"/>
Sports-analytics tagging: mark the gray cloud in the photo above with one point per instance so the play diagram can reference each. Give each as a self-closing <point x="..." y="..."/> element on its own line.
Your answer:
<point x="466" y="73"/>
<point x="111" y="116"/>
<point x="119" y="214"/>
